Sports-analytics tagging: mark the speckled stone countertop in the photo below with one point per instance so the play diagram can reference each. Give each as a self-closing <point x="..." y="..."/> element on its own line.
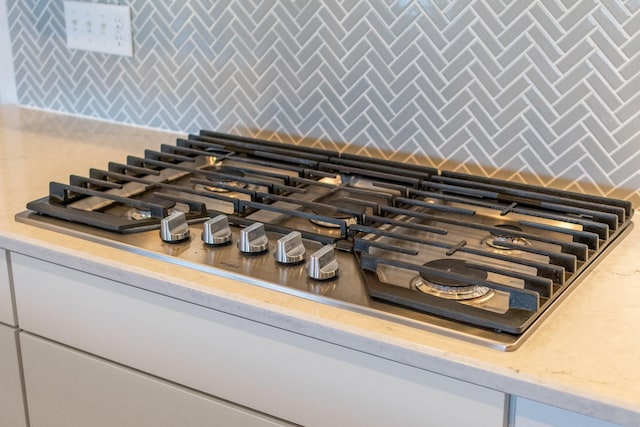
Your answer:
<point x="583" y="358"/>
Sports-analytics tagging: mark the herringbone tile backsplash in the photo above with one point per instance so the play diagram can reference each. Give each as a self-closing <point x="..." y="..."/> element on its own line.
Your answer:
<point x="541" y="91"/>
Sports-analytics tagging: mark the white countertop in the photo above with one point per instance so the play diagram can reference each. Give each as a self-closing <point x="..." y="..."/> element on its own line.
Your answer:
<point x="584" y="357"/>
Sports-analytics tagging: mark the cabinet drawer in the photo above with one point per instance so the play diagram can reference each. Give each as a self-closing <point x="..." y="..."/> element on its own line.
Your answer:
<point x="69" y="388"/>
<point x="6" y="301"/>
<point x="277" y="372"/>
<point x="533" y="414"/>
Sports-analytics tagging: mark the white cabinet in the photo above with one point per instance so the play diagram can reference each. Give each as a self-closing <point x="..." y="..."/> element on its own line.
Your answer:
<point x="533" y="414"/>
<point x="12" y="411"/>
<point x="6" y="301"/>
<point x="273" y="371"/>
<point x="72" y="389"/>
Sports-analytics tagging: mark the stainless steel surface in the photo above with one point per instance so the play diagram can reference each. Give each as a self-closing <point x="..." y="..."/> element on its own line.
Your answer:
<point x="174" y="228"/>
<point x="253" y="239"/>
<point x="216" y="231"/>
<point x="290" y="249"/>
<point x="323" y="264"/>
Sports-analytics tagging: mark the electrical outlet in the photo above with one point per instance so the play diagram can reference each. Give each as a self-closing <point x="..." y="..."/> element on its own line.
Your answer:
<point x="98" y="27"/>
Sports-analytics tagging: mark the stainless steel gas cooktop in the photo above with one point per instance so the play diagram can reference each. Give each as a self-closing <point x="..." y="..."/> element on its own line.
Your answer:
<point x="472" y="257"/>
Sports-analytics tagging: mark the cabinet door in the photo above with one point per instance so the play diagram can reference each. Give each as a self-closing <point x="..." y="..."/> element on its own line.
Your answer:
<point x="533" y="414"/>
<point x="12" y="411"/>
<point x="69" y="388"/>
<point x="6" y="301"/>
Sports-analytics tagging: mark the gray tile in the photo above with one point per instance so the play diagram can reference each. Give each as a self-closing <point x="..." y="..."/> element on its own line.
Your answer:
<point x="543" y="64"/>
<point x="628" y="132"/>
<point x="573" y="116"/>
<point x="485" y="80"/>
<point x="514" y="29"/>
<point x="600" y="156"/>
<point x="460" y="44"/>
<point x="456" y="104"/>
<point x="609" y="25"/>
<point x="431" y="32"/>
<point x="483" y="98"/>
<point x="544" y="43"/>
<point x="510" y="131"/>
<point x="579" y="11"/>
<point x="570" y="99"/>
<point x="459" y="24"/>
<point x="542" y="128"/>
<point x="489" y="12"/>
<point x="456" y="123"/>
<point x="513" y="10"/>
<point x="608" y="48"/>
<point x="543" y="19"/>
<point x="488" y="61"/>
<point x="456" y="66"/>
<point x="538" y="146"/>
<point x="513" y="71"/>
<point x="513" y="91"/>
<point x="568" y="140"/>
<point x="434" y="14"/>
<point x="514" y="50"/>
<point x="632" y="67"/>
<point x="631" y="46"/>
<point x="429" y="110"/>
<point x="481" y="117"/>
<point x="599" y="110"/>
<point x="625" y="112"/>
<point x="513" y="110"/>
<point x="632" y="26"/>
<point x="629" y="89"/>
<point x="576" y="55"/>
<point x="604" y="92"/>
<point x="484" y="36"/>
<point x="573" y="37"/>
<point x="456" y="85"/>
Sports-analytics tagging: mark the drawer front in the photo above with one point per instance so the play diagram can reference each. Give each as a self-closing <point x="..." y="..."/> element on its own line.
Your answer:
<point x="289" y="376"/>
<point x="6" y="301"/>
<point x="69" y="388"/>
<point x="533" y="414"/>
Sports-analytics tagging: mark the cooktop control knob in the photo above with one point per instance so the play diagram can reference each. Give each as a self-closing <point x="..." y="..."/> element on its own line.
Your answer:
<point x="290" y="249"/>
<point x="322" y="264"/>
<point x="216" y="231"/>
<point x="253" y="239"/>
<point x="174" y="228"/>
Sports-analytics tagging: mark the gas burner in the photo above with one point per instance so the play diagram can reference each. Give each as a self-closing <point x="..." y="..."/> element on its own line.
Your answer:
<point x="229" y="182"/>
<point x="452" y="289"/>
<point x="497" y="239"/>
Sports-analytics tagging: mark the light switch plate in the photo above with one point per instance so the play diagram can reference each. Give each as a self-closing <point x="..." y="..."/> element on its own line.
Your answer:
<point x="98" y="27"/>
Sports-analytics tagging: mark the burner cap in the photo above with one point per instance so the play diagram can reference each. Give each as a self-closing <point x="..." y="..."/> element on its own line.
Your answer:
<point x="450" y="288"/>
<point x="452" y="265"/>
<point x="331" y="212"/>
<point x="228" y="180"/>
<point x="505" y="234"/>
<point x="138" y="214"/>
